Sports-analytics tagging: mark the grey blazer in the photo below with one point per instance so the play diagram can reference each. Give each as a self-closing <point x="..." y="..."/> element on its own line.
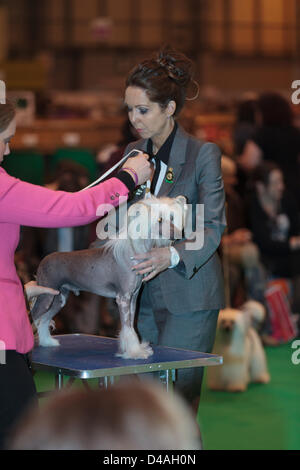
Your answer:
<point x="197" y="282"/>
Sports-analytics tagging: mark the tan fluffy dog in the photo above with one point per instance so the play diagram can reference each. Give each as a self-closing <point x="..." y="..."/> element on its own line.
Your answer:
<point x="244" y="359"/>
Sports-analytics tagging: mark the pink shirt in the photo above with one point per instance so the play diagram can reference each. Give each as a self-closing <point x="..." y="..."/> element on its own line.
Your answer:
<point x="26" y="204"/>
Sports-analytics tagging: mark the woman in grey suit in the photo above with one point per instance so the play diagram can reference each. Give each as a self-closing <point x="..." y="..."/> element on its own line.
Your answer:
<point x="183" y="292"/>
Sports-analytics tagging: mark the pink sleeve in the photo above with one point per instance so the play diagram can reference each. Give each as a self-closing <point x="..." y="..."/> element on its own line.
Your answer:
<point x="27" y="204"/>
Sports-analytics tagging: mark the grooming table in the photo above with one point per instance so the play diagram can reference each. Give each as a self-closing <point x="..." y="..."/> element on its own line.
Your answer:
<point x="87" y="357"/>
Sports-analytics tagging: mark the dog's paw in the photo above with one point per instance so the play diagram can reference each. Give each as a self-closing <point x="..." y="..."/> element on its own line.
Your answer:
<point x="147" y="350"/>
<point x="216" y="388"/>
<point x="49" y="342"/>
<point x="141" y="351"/>
<point x="236" y="388"/>
<point x="130" y="346"/>
<point x="262" y="379"/>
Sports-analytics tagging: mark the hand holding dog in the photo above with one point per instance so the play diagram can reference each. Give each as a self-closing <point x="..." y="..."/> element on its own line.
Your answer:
<point x="153" y="262"/>
<point x="33" y="290"/>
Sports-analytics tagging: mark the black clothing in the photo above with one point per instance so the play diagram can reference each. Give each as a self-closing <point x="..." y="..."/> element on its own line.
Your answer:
<point x="244" y="186"/>
<point x="125" y="177"/>
<point x="156" y="174"/>
<point x="164" y="151"/>
<point x="242" y="132"/>
<point x="235" y="212"/>
<point x="162" y="155"/>
<point x="17" y="391"/>
<point x="272" y="237"/>
<point x="282" y="146"/>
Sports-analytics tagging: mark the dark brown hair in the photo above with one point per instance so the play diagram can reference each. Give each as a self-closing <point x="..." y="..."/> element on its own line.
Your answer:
<point x="275" y="110"/>
<point x="7" y="113"/>
<point x="165" y="77"/>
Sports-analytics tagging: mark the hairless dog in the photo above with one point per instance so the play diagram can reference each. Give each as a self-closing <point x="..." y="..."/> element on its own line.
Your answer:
<point x="105" y="269"/>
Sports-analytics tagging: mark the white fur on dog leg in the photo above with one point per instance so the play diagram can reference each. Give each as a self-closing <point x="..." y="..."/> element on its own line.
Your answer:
<point x="258" y="364"/>
<point x="43" y="328"/>
<point x="130" y="346"/>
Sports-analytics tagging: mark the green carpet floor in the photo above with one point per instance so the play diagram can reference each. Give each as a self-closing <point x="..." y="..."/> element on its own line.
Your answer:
<point x="264" y="417"/>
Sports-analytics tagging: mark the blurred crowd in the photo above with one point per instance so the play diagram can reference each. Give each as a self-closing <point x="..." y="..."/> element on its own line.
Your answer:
<point x="261" y="179"/>
<point x="262" y="241"/>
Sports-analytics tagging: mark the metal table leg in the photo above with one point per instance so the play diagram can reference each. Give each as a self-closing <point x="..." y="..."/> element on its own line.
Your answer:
<point x="59" y="381"/>
<point x="107" y="381"/>
<point x="111" y="380"/>
<point x="168" y="377"/>
<point x="103" y="382"/>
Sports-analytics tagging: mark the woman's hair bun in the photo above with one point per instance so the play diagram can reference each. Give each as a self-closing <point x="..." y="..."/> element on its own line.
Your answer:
<point x="176" y="64"/>
<point x="165" y="77"/>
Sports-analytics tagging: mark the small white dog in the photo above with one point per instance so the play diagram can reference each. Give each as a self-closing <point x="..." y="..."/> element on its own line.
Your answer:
<point x="244" y="359"/>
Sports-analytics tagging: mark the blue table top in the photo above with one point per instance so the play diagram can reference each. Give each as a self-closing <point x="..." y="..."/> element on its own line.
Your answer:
<point x="88" y="356"/>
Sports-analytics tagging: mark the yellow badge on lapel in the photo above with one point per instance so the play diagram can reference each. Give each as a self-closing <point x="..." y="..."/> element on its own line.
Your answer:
<point x="169" y="175"/>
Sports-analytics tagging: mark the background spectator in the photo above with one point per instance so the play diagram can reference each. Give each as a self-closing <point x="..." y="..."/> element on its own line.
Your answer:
<point x="276" y="139"/>
<point x="238" y="249"/>
<point x="131" y="416"/>
<point x="275" y="227"/>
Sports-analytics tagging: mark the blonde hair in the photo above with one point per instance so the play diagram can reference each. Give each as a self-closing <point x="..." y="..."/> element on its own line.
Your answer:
<point x="7" y="114"/>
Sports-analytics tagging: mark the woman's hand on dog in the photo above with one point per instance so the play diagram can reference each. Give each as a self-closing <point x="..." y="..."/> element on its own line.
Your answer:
<point x="33" y="290"/>
<point x="153" y="262"/>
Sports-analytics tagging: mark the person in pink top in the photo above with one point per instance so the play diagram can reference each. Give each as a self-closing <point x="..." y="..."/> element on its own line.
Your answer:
<point x="26" y="204"/>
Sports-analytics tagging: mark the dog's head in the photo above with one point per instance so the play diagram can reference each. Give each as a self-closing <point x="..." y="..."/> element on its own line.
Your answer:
<point x="232" y="328"/>
<point x="159" y="220"/>
<point x="230" y="319"/>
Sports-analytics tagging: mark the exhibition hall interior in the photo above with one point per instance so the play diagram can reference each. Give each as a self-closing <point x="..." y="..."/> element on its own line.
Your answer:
<point x="77" y="75"/>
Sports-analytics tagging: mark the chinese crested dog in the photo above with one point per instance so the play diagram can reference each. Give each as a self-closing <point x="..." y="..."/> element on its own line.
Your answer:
<point x="106" y="269"/>
<point x="244" y="359"/>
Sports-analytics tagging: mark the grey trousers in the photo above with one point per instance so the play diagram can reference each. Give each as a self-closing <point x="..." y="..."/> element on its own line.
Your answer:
<point x="190" y="330"/>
